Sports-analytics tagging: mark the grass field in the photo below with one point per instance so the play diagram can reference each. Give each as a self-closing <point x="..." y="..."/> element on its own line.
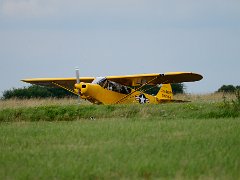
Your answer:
<point x="198" y="140"/>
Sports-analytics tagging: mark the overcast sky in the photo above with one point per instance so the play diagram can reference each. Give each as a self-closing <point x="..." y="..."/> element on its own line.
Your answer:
<point x="49" y="38"/>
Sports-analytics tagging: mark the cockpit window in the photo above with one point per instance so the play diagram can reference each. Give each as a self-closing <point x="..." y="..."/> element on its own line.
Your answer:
<point x="117" y="87"/>
<point x="110" y="85"/>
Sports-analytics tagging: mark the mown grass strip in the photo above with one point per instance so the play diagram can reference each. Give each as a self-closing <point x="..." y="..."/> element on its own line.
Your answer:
<point x="163" y="111"/>
<point x="121" y="148"/>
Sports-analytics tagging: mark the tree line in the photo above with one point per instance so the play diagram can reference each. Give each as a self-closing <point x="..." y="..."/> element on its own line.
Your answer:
<point x="35" y="91"/>
<point x="228" y="88"/>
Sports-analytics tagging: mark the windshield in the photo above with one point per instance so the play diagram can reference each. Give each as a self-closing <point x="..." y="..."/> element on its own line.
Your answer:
<point x="98" y="80"/>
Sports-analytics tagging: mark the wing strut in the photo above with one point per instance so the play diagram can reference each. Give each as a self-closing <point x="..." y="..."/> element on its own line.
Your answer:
<point x="65" y="88"/>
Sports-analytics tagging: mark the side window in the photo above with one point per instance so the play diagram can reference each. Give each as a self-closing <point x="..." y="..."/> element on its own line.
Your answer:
<point x="125" y="90"/>
<point x="109" y="86"/>
<point x="112" y="86"/>
<point x="102" y="82"/>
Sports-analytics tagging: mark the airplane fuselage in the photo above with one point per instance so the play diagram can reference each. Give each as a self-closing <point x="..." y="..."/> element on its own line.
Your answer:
<point x="100" y="95"/>
<point x="103" y="91"/>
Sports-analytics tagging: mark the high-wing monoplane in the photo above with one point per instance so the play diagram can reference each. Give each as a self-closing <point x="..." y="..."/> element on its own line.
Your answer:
<point x="120" y="89"/>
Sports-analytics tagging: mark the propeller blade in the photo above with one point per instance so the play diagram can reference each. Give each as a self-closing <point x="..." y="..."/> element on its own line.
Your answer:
<point x="78" y="82"/>
<point x="77" y="75"/>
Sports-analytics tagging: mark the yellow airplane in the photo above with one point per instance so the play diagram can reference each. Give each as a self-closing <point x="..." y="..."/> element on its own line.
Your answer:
<point x="120" y="89"/>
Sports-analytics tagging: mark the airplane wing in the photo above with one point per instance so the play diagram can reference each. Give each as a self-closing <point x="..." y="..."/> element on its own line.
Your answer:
<point x="66" y="83"/>
<point x="153" y="79"/>
<point x="128" y="80"/>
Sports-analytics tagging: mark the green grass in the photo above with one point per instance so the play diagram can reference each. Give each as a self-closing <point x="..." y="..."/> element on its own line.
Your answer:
<point x="163" y="111"/>
<point x="169" y="141"/>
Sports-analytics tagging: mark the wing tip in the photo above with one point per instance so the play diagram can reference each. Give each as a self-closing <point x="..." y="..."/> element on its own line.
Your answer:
<point x="24" y="80"/>
<point x="198" y="76"/>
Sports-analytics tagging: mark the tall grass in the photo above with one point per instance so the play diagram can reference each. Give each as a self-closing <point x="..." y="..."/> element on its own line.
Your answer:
<point x="163" y="111"/>
<point x="18" y="103"/>
<point x="210" y="98"/>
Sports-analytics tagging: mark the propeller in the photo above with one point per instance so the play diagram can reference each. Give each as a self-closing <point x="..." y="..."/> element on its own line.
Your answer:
<point x="77" y="75"/>
<point x="78" y="82"/>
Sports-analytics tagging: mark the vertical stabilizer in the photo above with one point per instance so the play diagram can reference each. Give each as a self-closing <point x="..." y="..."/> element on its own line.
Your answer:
<point x="165" y="93"/>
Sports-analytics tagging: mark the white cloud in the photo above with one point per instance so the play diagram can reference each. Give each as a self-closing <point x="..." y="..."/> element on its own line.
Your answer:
<point x="163" y="9"/>
<point x="131" y="11"/>
<point x="50" y="7"/>
<point x="27" y="8"/>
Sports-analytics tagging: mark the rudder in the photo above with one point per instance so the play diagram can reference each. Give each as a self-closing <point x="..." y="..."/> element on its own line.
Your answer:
<point x="165" y="93"/>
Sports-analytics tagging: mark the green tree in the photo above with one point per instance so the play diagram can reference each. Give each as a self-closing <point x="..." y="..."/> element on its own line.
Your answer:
<point x="178" y="88"/>
<point x="35" y="91"/>
<point x="227" y="88"/>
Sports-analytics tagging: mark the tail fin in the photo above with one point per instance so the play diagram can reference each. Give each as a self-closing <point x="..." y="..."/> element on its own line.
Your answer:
<point x="165" y="93"/>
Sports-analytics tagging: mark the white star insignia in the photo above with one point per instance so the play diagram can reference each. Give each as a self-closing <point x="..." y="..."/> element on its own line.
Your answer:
<point x="142" y="99"/>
